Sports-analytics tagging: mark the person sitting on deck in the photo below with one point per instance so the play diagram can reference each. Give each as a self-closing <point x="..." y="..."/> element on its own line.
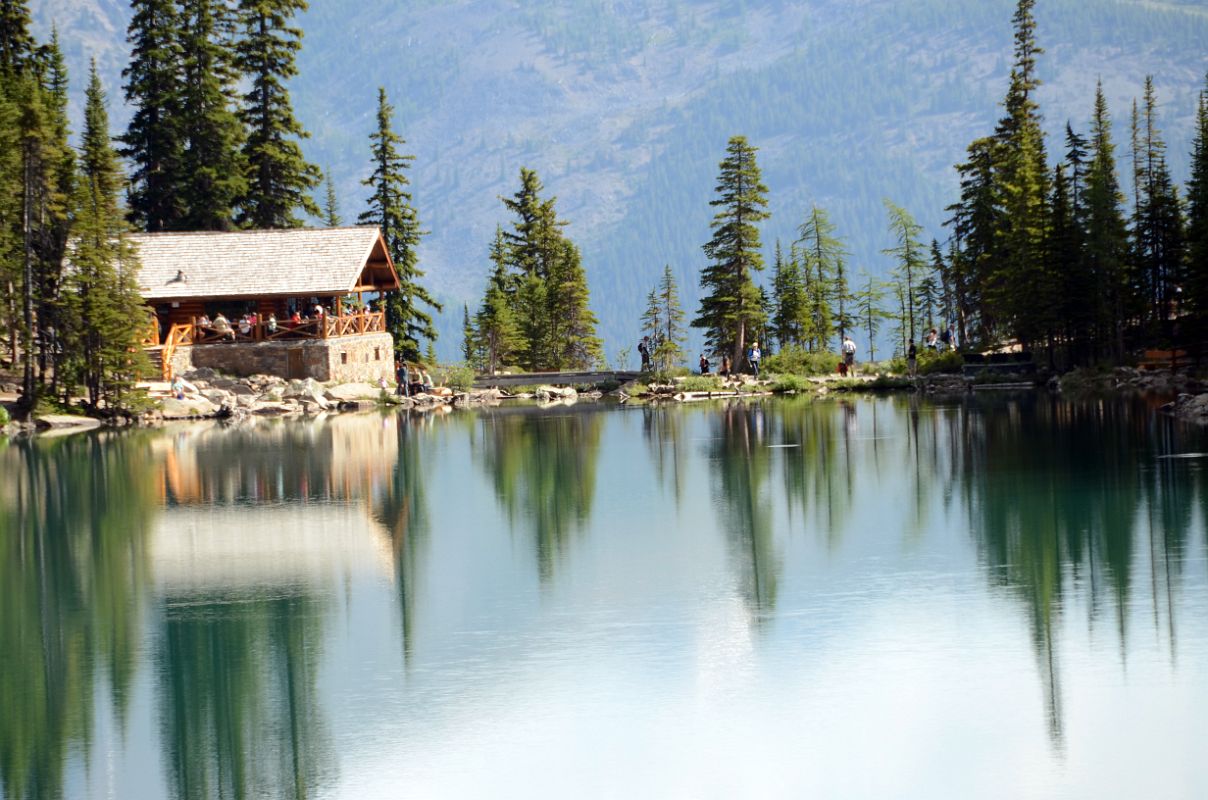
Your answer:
<point x="223" y="328"/>
<point x="272" y="323"/>
<point x="203" y="321"/>
<point x="245" y="325"/>
<point x="295" y="318"/>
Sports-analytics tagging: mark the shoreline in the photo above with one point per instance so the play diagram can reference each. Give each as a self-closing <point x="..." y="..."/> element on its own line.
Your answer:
<point x="213" y="396"/>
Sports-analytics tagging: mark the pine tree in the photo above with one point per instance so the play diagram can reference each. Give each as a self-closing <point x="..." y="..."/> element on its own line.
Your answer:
<point x="279" y="179"/>
<point x="468" y="337"/>
<point x="498" y="335"/>
<point x="867" y="300"/>
<point x="391" y="209"/>
<point x="154" y="139"/>
<point x="1197" y="226"/>
<point x="16" y="43"/>
<point x="975" y="224"/>
<point x="731" y="303"/>
<point x="788" y="293"/>
<point x="1106" y="233"/>
<point x="331" y="205"/>
<point x="214" y="177"/>
<point x="1064" y="253"/>
<point x="104" y="300"/>
<point x="545" y="282"/>
<point x="822" y="254"/>
<point x="909" y="255"/>
<point x="670" y="350"/>
<point x="1158" y="232"/>
<point x="571" y="341"/>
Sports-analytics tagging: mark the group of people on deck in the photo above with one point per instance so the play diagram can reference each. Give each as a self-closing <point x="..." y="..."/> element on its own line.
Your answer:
<point x="411" y="379"/>
<point x="247" y="323"/>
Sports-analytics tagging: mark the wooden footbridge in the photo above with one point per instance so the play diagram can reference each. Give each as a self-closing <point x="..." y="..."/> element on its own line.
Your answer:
<point x="553" y="379"/>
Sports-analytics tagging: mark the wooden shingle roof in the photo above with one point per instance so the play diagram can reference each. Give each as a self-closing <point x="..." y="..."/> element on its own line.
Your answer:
<point x="263" y="263"/>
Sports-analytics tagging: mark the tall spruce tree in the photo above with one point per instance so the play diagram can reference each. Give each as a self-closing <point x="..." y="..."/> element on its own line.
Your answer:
<point x="1158" y="232"/>
<point x="975" y="226"/>
<point x="103" y="301"/>
<point x="391" y="209"/>
<point x="331" y="203"/>
<point x="1197" y="228"/>
<point x="1106" y="232"/>
<point x="498" y="335"/>
<point x="154" y="142"/>
<point x="213" y="178"/>
<point x="571" y="341"/>
<point x="279" y="179"/>
<point x="663" y="322"/>
<point x="867" y="302"/>
<point x="731" y="305"/>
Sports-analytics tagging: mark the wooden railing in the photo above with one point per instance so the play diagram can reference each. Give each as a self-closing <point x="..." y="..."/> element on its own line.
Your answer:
<point x="151" y="334"/>
<point x="177" y="335"/>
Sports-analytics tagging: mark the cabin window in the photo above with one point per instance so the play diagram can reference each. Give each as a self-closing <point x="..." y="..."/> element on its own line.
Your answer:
<point x="343" y="358"/>
<point x="377" y="354"/>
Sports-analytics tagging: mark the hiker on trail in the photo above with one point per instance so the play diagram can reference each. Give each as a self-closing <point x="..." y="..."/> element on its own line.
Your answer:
<point x="704" y="364"/>
<point x="753" y="356"/>
<point x="912" y="361"/>
<point x="725" y="367"/>
<point x="644" y="352"/>
<point x="849" y="355"/>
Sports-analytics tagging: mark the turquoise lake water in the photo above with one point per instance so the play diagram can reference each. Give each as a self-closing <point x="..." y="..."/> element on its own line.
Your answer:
<point x="1000" y="597"/>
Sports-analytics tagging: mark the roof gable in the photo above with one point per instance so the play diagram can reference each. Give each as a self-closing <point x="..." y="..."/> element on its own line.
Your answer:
<point x="261" y="263"/>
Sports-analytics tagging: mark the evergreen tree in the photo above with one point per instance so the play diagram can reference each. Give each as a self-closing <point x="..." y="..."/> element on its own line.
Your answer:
<point x="1158" y="233"/>
<point x="975" y="224"/>
<point x="391" y="209"/>
<point x="213" y="178"/>
<point x="331" y="205"/>
<point x="1197" y="226"/>
<point x="469" y="346"/>
<point x="495" y="327"/>
<point x="1106" y="233"/>
<point x="822" y="254"/>
<point x="279" y="179"/>
<point x="663" y="322"/>
<point x="731" y="303"/>
<point x="867" y="301"/>
<point x="16" y="43"/>
<point x="545" y="282"/>
<point x="789" y="319"/>
<point x="909" y="255"/>
<point x="844" y="321"/>
<point x="571" y="341"/>
<point x="104" y="299"/>
<point x="154" y="139"/>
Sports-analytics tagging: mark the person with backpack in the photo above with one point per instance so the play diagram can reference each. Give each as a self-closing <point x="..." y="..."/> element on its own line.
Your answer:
<point x="644" y="352"/>
<point x="753" y="357"/>
<point x="704" y="364"/>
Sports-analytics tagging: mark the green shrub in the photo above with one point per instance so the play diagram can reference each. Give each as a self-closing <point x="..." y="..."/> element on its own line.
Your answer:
<point x="4" y="417"/>
<point x="932" y="363"/>
<point x="793" y="360"/>
<point x="701" y="383"/>
<point x="458" y="377"/>
<point x="791" y="384"/>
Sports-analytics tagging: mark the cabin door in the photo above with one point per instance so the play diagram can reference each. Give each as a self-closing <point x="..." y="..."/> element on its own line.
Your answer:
<point x="297" y="369"/>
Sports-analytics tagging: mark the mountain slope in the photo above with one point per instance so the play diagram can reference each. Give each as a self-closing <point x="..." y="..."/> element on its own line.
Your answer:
<point x="624" y="108"/>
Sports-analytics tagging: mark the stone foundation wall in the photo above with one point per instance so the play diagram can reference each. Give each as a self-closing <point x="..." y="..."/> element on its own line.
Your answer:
<point x="346" y="359"/>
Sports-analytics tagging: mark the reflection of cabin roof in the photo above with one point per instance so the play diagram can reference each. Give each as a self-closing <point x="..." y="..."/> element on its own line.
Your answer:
<point x="208" y="549"/>
<point x="264" y="263"/>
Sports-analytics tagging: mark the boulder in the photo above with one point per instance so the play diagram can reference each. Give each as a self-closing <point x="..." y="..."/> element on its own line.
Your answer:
<point x="548" y="393"/>
<point x="218" y="397"/>
<point x="189" y="408"/>
<point x="65" y="422"/>
<point x="309" y="390"/>
<point x="352" y="391"/>
<point x="272" y="409"/>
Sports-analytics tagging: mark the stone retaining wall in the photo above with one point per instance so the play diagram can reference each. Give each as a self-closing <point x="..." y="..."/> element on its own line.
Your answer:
<point x="347" y="359"/>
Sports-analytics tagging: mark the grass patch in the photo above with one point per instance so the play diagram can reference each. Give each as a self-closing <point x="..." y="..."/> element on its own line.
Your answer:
<point x="791" y="384"/>
<point x="700" y="383"/>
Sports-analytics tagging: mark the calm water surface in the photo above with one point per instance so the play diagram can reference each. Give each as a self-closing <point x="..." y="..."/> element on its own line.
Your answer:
<point x="1001" y="598"/>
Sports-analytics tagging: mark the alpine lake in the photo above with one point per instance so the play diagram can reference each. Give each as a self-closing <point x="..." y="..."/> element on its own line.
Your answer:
<point x="1000" y="596"/>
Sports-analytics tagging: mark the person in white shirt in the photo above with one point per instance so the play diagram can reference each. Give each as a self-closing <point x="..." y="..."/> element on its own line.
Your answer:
<point x="849" y="354"/>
